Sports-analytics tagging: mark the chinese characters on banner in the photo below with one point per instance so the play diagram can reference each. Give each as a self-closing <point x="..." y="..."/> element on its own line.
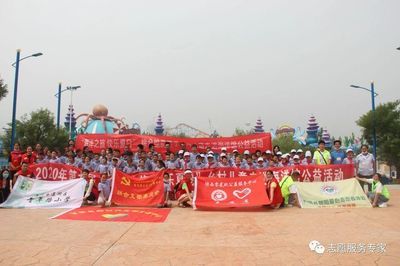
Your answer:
<point x="133" y="191"/>
<point x="344" y="193"/>
<point x="54" y="171"/>
<point x="98" y="142"/>
<point x="230" y="192"/>
<point x="308" y="173"/>
<point x="33" y="193"/>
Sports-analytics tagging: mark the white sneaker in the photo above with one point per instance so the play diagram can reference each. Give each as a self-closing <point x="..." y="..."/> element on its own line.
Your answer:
<point x="382" y="205"/>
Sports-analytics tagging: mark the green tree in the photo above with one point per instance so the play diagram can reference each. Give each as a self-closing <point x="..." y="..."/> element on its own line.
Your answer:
<point x="37" y="127"/>
<point x="242" y="132"/>
<point x="387" y="124"/>
<point x="286" y="143"/>
<point x="3" y="89"/>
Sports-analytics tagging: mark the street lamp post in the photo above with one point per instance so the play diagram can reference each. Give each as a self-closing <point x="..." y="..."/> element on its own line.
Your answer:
<point x="13" y="121"/>
<point x="58" y="95"/>
<point x="373" y="95"/>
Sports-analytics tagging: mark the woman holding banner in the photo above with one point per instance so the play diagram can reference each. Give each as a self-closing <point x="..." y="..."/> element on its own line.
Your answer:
<point x="184" y="190"/>
<point x="273" y="190"/>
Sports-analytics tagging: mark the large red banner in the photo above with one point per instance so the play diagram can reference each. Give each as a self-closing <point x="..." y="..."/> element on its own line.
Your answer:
<point x="128" y="190"/>
<point x="97" y="142"/>
<point x="236" y="192"/>
<point x="308" y="173"/>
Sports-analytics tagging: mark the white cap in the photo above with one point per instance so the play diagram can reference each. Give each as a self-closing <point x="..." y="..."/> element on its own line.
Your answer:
<point x="285" y="155"/>
<point x="202" y="155"/>
<point x="299" y="150"/>
<point x="187" y="172"/>
<point x="296" y="157"/>
<point x="235" y="151"/>
<point x="186" y="154"/>
<point x="268" y="152"/>
<point x="260" y="159"/>
<point x="292" y="151"/>
<point x="223" y="155"/>
<point x="279" y="153"/>
<point x="348" y="150"/>
<point x="247" y="152"/>
<point x="308" y="154"/>
<point x="210" y="152"/>
<point x="180" y="152"/>
<point x="223" y="149"/>
<point x="210" y="155"/>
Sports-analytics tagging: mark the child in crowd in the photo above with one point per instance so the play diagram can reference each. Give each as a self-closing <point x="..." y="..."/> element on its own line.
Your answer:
<point x="104" y="188"/>
<point x="185" y="189"/>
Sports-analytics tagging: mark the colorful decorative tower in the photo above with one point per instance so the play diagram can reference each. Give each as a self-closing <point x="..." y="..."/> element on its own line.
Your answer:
<point x="312" y="131"/>
<point x="70" y="122"/>
<point x="159" y="129"/>
<point x="259" y="128"/>
<point x="327" y="138"/>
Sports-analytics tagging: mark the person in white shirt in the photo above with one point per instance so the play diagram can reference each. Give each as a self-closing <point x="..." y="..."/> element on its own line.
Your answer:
<point x="365" y="165"/>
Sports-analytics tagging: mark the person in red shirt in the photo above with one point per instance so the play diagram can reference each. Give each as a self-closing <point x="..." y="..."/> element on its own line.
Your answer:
<point x="273" y="190"/>
<point x="15" y="159"/>
<point x="29" y="157"/>
<point x="25" y="171"/>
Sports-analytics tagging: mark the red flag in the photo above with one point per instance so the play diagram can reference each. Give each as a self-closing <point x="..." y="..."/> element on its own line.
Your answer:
<point x="132" y="191"/>
<point x="230" y="192"/>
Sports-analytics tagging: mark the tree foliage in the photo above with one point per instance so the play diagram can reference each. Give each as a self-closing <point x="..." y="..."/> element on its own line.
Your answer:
<point x="3" y="89"/>
<point x="37" y="127"/>
<point x="242" y="132"/>
<point x="387" y="124"/>
<point x="286" y="143"/>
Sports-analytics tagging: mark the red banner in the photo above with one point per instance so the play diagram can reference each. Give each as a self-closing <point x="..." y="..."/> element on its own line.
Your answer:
<point x="54" y="171"/>
<point x="236" y="192"/>
<point x="115" y="214"/>
<point x="97" y="142"/>
<point x="133" y="191"/>
<point x="308" y="173"/>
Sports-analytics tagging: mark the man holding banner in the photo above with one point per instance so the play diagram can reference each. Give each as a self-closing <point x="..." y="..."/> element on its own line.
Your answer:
<point x="380" y="194"/>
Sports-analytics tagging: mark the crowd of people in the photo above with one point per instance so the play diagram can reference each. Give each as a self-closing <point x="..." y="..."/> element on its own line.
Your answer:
<point x="148" y="159"/>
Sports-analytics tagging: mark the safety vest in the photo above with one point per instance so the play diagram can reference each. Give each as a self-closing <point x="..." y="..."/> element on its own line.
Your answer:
<point x="321" y="155"/>
<point x="385" y="191"/>
<point x="285" y="183"/>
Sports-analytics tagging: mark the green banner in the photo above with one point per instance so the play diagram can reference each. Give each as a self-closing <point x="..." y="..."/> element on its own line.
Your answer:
<point x="338" y="194"/>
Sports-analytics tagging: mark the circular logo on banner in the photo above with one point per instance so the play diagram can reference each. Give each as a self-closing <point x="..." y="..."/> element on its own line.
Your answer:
<point x="218" y="195"/>
<point x="329" y="189"/>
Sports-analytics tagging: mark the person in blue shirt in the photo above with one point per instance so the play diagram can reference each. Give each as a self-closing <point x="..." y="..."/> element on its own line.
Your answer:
<point x="337" y="154"/>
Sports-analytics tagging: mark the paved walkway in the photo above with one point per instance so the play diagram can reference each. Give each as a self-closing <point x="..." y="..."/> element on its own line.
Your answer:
<point x="204" y="238"/>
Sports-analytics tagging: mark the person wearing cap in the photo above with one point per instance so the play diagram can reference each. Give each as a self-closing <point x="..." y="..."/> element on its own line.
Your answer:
<point x="224" y="163"/>
<point x="379" y="194"/>
<point x="180" y="154"/>
<point x="296" y="160"/>
<point x="279" y="155"/>
<point x="300" y="153"/>
<point x="268" y="155"/>
<point x="185" y="162"/>
<point x="285" y="160"/>
<point x="246" y="154"/>
<point x="185" y="189"/>
<point x="321" y="155"/>
<point x="308" y="160"/>
<point x="260" y="163"/>
<point x="273" y="190"/>
<point x="349" y="157"/>
<point x="289" y="190"/>
<point x="211" y="162"/>
<point x="337" y="154"/>
<point x="292" y="153"/>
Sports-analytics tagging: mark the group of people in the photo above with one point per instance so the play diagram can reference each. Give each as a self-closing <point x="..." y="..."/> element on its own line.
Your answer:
<point x="150" y="160"/>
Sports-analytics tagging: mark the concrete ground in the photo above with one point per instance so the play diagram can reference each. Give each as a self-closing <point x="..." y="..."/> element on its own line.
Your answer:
<point x="189" y="237"/>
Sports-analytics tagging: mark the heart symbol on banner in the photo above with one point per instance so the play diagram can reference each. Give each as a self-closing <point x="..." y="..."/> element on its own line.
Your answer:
<point x="241" y="194"/>
<point x="113" y="216"/>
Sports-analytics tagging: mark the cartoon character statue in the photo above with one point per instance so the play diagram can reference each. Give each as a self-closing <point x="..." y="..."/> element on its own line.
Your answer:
<point x="99" y="122"/>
